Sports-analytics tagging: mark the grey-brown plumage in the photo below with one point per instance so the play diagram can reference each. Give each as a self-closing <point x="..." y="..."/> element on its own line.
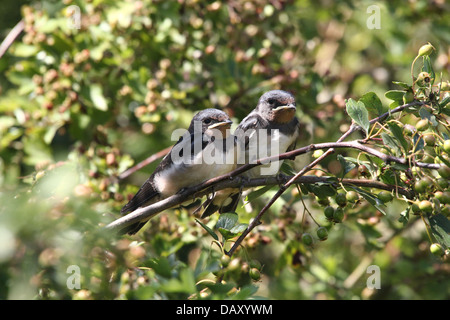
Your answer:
<point x="275" y="115"/>
<point x="209" y="130"/>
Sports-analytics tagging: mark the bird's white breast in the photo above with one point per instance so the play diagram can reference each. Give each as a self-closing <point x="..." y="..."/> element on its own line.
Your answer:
<point x="205" y="165"/>
<point x="274" y="144"/>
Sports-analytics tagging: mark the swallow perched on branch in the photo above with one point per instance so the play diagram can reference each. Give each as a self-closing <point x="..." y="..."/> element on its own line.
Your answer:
<point x="270" y="129"/>
<point x="204" y="151"/>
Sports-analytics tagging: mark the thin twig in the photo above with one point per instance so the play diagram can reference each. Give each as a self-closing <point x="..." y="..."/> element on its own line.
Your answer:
<point x="12" y="35"/>
<point x="144" y="163"/>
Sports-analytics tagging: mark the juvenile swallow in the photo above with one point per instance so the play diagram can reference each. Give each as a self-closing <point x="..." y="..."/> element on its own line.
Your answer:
<point x="270" y="129"/>
<point x="203" y="152"/>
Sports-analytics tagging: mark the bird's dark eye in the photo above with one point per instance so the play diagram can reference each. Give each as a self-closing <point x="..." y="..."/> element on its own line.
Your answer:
<point x="207" y="121"/>
<point x="271" y="101"/>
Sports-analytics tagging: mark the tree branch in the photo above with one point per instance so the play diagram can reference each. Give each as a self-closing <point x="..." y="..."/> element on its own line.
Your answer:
<point x="236" y="183"/>
<point x="12" y="35"/>
<point x="144" y="163"/>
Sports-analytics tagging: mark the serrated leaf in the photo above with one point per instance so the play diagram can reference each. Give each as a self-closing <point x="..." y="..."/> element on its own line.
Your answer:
<point x="440" y="228"/>
<point x="211" y="232"/>
<point x="227" y="220"/>
<point x="373" y="103"/>
<point x="358" y="112"/>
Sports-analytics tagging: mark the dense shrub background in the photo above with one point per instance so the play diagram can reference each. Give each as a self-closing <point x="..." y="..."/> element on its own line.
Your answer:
<point x="80" y="106"/>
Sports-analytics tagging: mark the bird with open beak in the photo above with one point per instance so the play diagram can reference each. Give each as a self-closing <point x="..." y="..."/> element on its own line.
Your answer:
<point x="205" y="150"/>
<point x="270" y="129"/>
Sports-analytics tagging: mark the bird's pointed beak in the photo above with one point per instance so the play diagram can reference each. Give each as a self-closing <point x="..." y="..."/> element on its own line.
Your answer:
<point x="226" y="123"/>
<point x="285" y="107"/>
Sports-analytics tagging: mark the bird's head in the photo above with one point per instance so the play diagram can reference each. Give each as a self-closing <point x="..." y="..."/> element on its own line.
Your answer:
<point x="211" y="122"/>
<point x="277" y="106"/>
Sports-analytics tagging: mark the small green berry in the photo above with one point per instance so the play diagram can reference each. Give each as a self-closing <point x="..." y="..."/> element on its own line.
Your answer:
<point x="307" y="239"/>
<point x="225" y="260"/>
<point x="425" y="50"/>
<point x="318" y="153"/>
<point x="443" y="183"/>
<point x="429" y="139"/>
<point x="338" y="215"/>
<point x="352" y="196"/>
<point x="328" y="211"/>
<point x="234" y="264"/>
<point x="443" y="197"/>
<point x="426" y="206"/>
<point x="415" y="208"/>
<point x="255" y="274"/>
<point x="385" y="196"/>
<point x="422" y="125"/>
<point x="322" y="233"/>
<point x="437" y="249"/>
<point x="444" y="172"/>
<point x="341" y="199"/>
<point x="446" y="146"/>
<point x="255" y="264"/>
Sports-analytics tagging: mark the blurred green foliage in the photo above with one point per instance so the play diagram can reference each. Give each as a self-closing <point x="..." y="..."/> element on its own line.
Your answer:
<point x="79" y="106"/>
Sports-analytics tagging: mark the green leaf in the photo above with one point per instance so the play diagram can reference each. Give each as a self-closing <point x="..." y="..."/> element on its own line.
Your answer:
<point x="358" y="112"/>
<point x="440" y="228"/>
<point x="346" y="166"/>
<point x="425" y="114"/>
<point x="287" y="169"/>
<point x="257" y="193"/>
<point x="418" y="142"/>
<point x="161" y="266"/>
<point x="227" y="221"/>
<point x="211" y="232"/>
<point x="398" y="134"/>
<point x="373" y="103"/>
<point x="96" y="94"/>
<point x="402" y="84"/>
<point x="24" y="50"/>
<point x="372" y="199"/>
<point x="404" y="217"/>
<point x="245" y="292"/>
<point x="390" y="142"/>
<point x="322" y="190"/>
<point x="239" y="228"/>
<point x="396" y="95"/>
